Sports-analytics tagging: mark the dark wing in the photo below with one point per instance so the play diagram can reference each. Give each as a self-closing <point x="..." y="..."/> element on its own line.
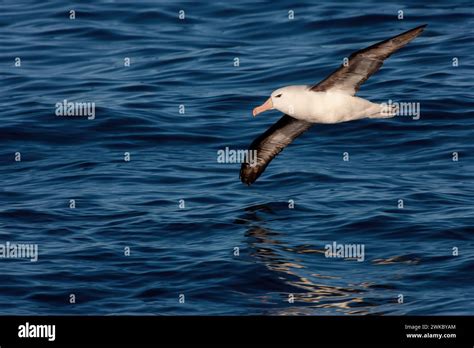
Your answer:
<point x="270" y="143"/>
<point x="362" y="64"/>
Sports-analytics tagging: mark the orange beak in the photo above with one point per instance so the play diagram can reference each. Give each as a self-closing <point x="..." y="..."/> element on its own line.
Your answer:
<point x="268" y="105"/>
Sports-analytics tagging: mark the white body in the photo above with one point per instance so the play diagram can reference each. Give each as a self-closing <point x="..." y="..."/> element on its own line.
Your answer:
<point x="325" y="107"/>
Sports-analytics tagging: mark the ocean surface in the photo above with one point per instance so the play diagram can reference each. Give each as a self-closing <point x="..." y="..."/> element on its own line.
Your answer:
<point x="172" y="231"/>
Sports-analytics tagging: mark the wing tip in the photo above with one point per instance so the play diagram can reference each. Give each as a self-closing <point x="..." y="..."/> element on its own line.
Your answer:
<point x="418" y="30"/>
<point x="247" y="177"/>
<point x="421" y="27"/>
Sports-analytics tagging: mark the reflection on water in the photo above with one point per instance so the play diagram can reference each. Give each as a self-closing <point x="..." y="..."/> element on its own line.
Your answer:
<point x="408" y="259"/>
<point x="312" y="292"/>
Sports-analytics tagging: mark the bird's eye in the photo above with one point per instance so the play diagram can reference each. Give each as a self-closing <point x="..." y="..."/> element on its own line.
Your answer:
<point x="278" y="96"/>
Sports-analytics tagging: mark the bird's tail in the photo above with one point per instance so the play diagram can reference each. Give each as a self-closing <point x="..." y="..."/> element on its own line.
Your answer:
<point x="382" y="111"/>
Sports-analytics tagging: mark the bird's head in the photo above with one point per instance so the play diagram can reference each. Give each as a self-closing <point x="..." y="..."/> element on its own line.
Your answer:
<point x="283" y="99"/>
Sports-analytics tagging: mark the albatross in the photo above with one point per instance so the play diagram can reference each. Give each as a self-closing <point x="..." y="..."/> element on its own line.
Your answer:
<point x="330" y="101"/>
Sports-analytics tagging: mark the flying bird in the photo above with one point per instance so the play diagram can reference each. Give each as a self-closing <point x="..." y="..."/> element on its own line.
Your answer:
<point x="330" y="101"/>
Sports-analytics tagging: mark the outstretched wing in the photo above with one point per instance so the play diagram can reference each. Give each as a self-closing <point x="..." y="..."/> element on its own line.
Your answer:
<point x="362" y="64"/>
<point x="270" y="143"/>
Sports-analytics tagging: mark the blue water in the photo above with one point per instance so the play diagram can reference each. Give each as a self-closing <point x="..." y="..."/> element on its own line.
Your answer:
<point x="190" y="251"/>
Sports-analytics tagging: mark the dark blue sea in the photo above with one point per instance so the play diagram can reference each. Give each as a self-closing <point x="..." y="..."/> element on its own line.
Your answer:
<point x="172" y="231"/>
